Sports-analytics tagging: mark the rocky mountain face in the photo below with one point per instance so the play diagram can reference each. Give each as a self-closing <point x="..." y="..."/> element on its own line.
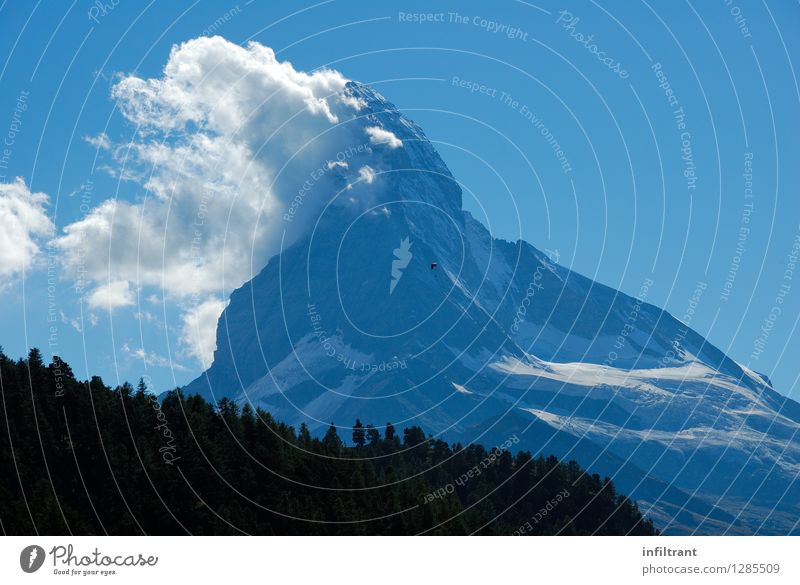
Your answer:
<point x="397" y="305"/>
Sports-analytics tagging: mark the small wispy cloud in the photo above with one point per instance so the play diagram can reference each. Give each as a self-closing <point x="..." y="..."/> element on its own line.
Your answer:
<point x="378" y="135"/>
<point x="152" y="359"/>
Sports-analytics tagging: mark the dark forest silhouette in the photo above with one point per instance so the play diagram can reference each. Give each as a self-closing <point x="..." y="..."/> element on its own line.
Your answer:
<point x="79" y="457"/>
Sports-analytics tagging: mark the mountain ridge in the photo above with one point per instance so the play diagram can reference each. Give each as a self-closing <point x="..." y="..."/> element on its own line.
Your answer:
<point x="495" y="329"/>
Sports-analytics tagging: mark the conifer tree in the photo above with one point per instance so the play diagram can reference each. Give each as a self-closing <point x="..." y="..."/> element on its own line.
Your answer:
<point x="373" y="436"/>
<point x="331" y="441"/>
<point x="359" y="436"/>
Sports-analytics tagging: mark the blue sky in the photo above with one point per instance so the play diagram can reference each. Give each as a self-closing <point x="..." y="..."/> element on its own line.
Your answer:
<point x="643" y="187"/>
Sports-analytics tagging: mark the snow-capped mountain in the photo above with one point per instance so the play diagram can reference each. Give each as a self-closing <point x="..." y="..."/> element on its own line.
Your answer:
<point x="397" y="305"/>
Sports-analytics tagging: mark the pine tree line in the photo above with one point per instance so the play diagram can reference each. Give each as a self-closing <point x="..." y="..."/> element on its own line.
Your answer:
<point x="78" y="457"/>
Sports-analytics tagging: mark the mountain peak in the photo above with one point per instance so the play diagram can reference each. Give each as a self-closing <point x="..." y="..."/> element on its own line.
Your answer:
<point x="474" y="338"/>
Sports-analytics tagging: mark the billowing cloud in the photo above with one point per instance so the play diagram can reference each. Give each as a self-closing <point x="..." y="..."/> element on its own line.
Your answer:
<point x="23" y="221"/>
<point x="227" y="141"/>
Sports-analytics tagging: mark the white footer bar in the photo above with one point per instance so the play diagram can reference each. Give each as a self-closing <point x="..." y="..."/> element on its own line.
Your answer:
<point x="399" y="560"/>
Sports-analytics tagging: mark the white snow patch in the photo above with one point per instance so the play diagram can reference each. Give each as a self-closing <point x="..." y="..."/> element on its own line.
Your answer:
<point x="461" y="389"/>
<point x="584" y="374"/>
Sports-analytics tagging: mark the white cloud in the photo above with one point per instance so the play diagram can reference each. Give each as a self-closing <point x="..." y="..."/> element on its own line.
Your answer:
<point x="100" y="142"/>
<point x="149" y="317"/>
<point x="225" y="138"/>
<point x="199" y="332"/>
<point x="378" y="135"/>
<point x="74" y="323"/>
<point x="23" y="221"/>
<point x="332" y="164"/>
<point x="212" y="81"/>
<point x="151" y="358"/>
<point x="366" y="174"/>
<point x="354" y="102"/>
<point x="111" y="295"/>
